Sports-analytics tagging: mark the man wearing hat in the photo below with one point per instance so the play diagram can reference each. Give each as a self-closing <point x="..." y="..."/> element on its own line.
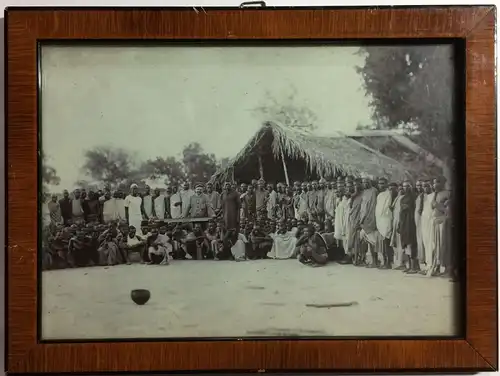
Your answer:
<point x="133" y="206"/>
<point x="198" y="204"/>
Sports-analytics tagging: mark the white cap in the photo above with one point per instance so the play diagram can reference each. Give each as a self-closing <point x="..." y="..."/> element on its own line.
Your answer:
<point x="133" y="186"/>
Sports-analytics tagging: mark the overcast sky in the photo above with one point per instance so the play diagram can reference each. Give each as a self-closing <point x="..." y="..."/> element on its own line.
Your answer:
<point x="155" y="100"/>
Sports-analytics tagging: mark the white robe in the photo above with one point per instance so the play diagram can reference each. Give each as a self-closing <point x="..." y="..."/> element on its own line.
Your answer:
<point x="395" y="237"/>
<point x="133" y="203"/>
<point x="175" y="211"/>
<point x="283" y="246"/>
<point x="147" y="203"/>
<point x="383" y="214"/>
<point x="330" y="201"/>
<point x="427" y="227"/>
<point x="339" y="225"/>
<point x="271" y="203"/>
<point x="238" y="249"/>
<point x="159" y="205"/>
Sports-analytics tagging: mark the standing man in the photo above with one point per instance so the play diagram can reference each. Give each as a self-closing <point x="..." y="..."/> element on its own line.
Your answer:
<point x="230" y="207"/>
<point x="248" y="205"/>
<point x="77" y="208"/>
<point x="320" y="200"/>
<point x="272" y="201"/>
<point x="439" y="205"/>
<point x="175" y="204"/>
<point x="159" y="205"/>
<point x="330" y="201"/>
<point x="419" y="208"/>
<point x="147" y="204"/>
<point x="198" y="204"/>
<point x="168" y="194"/>
<point x="407" y="229"/>
<point x="354" y="221"/>
<point x="261" y="198"/>
<point x="312" y="200"/>
<point x="54" y="211"/>
<point x="370" y="235"/>
<point x="214" y="200"/>
<point x="395" y="237"/>
<point x="66" y="208"/>
<point x="185" y="194"/>
<point x="133" y="205"/>
<point x="339" y="224"/>
<point x="383" y="220"/>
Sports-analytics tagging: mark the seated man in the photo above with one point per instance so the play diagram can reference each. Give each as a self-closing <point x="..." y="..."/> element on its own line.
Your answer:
<point x="197" y="245"/>
<point x="157" y="248"/>
<point x="134" y="243"/>
<point x="261" y="243"/>
<point x="312" y="248"/>
<point x="108" y="250"/>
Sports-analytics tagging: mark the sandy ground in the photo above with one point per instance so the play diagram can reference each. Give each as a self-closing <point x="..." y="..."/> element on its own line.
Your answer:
<point x="254" y="298"/>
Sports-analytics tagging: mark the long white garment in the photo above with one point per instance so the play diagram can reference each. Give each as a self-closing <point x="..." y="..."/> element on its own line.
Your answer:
<point x="109" y="212"/>
<point x="175" y="211"/>
<point x="345" y="220"/>
<point x="159" y="205"/>
<point x="120" y="209"/>
<point x="147" y="203"/>
<point x="418" y="228"/>
<point x="383" y="214"/>
<point x="185" y="195"/>
<point x="302" y="206"/>
<point x="395" y="237"/>
<point x="271" y="203"/>
<point x="133" y="203"/>
<point x="426" y="225"/>
<point x="283" y="246"/>
<point x="339" y="225"/>
<point x="330" y="203"/>
<point x="238" y="249"/>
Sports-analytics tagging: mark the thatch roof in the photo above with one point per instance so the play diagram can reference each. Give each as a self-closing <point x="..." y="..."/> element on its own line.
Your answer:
<point x="308" y="155"/>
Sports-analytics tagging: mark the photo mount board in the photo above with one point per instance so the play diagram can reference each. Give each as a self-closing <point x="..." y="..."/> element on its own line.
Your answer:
<point x="26" y="27"/>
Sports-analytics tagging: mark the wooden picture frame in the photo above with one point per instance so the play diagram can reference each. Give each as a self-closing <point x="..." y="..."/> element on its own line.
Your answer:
<point x="26" y="27"/>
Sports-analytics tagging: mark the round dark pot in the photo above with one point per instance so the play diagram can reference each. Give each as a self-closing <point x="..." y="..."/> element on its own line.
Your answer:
<point x="140" y="296"/>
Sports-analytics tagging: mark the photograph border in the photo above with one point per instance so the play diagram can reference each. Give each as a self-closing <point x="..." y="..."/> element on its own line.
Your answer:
<point x="26" y="27"/>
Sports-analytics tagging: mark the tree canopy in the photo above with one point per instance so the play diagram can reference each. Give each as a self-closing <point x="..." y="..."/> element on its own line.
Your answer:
<point x="411" y="87"/>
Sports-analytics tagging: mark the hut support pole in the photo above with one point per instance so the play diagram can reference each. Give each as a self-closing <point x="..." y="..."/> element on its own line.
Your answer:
<point x="284" y="168"/>
<point x="261" y="167"/>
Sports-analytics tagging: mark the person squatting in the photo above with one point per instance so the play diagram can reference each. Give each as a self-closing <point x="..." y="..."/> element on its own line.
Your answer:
<point x="363" y="222"/>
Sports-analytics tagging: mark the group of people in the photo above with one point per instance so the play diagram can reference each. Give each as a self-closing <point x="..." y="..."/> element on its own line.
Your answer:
<point x="371" y="223"/>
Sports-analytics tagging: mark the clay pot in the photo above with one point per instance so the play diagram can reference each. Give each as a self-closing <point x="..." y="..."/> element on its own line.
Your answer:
<point x="140" y="296"/>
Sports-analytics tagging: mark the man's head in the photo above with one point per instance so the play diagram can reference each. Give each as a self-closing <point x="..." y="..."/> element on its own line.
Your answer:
<point x="197" y="227"/>
<point x="83" y="194"/>
<point x="107" y="195"/>
<point x="382" y="184"/>
<point x="261" y="184"/>
<point x="157" y="192"/>
<point x="148" y="190"/>
<point x="175" y="188"/>
<point x="198" y="189"/>
<point x="134" y="189"/>
<point x="145" y="229"/>
<point x="282" y="228"/>
<point x="315" y="185"/>
<point x="317" y="226"/>
<point x="407" y="188"/>
<point x="154" y="232"/>
<point x="54" y="198"/>
<point x="227" y="186"/>
<point x="288" y="190"/>
<point x="210" y="187"/>
<point x="296" y="186"/>
<point x="243" y="187"/>
<point x="168" y="189"/>
<point x="303" y="187"/>
<point x="250" y="188"/>
<point x="132" y="231"/>
<point x="418" y="186"/>
<point x="254" y="183"/>
<point x="322" y="183"/>
<point x="393" y="188"/>
<point x="309" y="187"/>
<point x="426" y="186"/>
<point x="438" y="183"/>
<point x="77" y="194"/>
<point x="65" y="193"/>
<point x="349" y="188"/>
<point x="339" y="192"/>
<point x="91" y="195"/>
<point x="270" y="187"/>
<point x="366" y="183"/>
<point x="185" y="186"/>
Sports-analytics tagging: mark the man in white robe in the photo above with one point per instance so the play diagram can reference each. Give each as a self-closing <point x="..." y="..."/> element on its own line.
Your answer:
<point x="272" y="200"/>
<point x="175" y="204"/>
<point x="330" y="201"/>
<point x="133" y="205"/>
<point x="395" y="237"/>
<point x="383" y="220"/>
<point x="419" y="206"/>
<point x="426" y="226"/>
<point x="147" y="203"/>
<point x="185" y="194"/>
<point x="159" y="205"/>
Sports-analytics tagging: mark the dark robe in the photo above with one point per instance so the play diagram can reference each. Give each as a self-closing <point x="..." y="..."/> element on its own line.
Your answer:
<point x="231" y="209"/>
<point x="406" y="228"/>
<point x="66" y="209"/>
<point x="249" y="206"/>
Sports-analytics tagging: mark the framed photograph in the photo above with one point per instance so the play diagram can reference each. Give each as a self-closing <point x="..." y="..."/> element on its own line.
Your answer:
<point x="242" y="190"/>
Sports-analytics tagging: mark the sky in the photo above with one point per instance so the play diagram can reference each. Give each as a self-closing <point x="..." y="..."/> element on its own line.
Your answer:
<point x="154" y="100"/>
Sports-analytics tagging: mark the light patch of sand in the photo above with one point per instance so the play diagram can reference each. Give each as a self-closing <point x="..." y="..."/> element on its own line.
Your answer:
<point x="239" y="299"/>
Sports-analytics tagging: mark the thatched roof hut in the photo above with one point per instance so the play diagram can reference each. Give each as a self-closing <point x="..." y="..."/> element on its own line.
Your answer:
<point x="280" y="153"/>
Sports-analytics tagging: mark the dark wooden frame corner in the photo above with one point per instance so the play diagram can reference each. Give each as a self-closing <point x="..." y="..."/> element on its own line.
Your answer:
<point x="25" y="27"/>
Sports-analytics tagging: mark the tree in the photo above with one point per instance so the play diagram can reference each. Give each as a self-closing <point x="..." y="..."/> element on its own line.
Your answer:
<point x="49" y="175"/>
<point x="412" y="88"/>
<point x="287" y="112"/>
<point x="109" y="165"/>
<point x="168" y="167"/>
<point x="198" y="165"/>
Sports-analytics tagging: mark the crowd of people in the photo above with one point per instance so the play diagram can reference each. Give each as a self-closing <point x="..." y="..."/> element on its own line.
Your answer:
<point x="368" y="223"/>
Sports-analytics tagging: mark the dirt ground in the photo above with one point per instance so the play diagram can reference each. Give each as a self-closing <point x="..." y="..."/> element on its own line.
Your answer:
<point x="238" y="299"/>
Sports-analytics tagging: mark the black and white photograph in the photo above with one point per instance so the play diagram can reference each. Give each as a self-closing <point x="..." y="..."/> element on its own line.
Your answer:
<point x="196" y="190"/>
